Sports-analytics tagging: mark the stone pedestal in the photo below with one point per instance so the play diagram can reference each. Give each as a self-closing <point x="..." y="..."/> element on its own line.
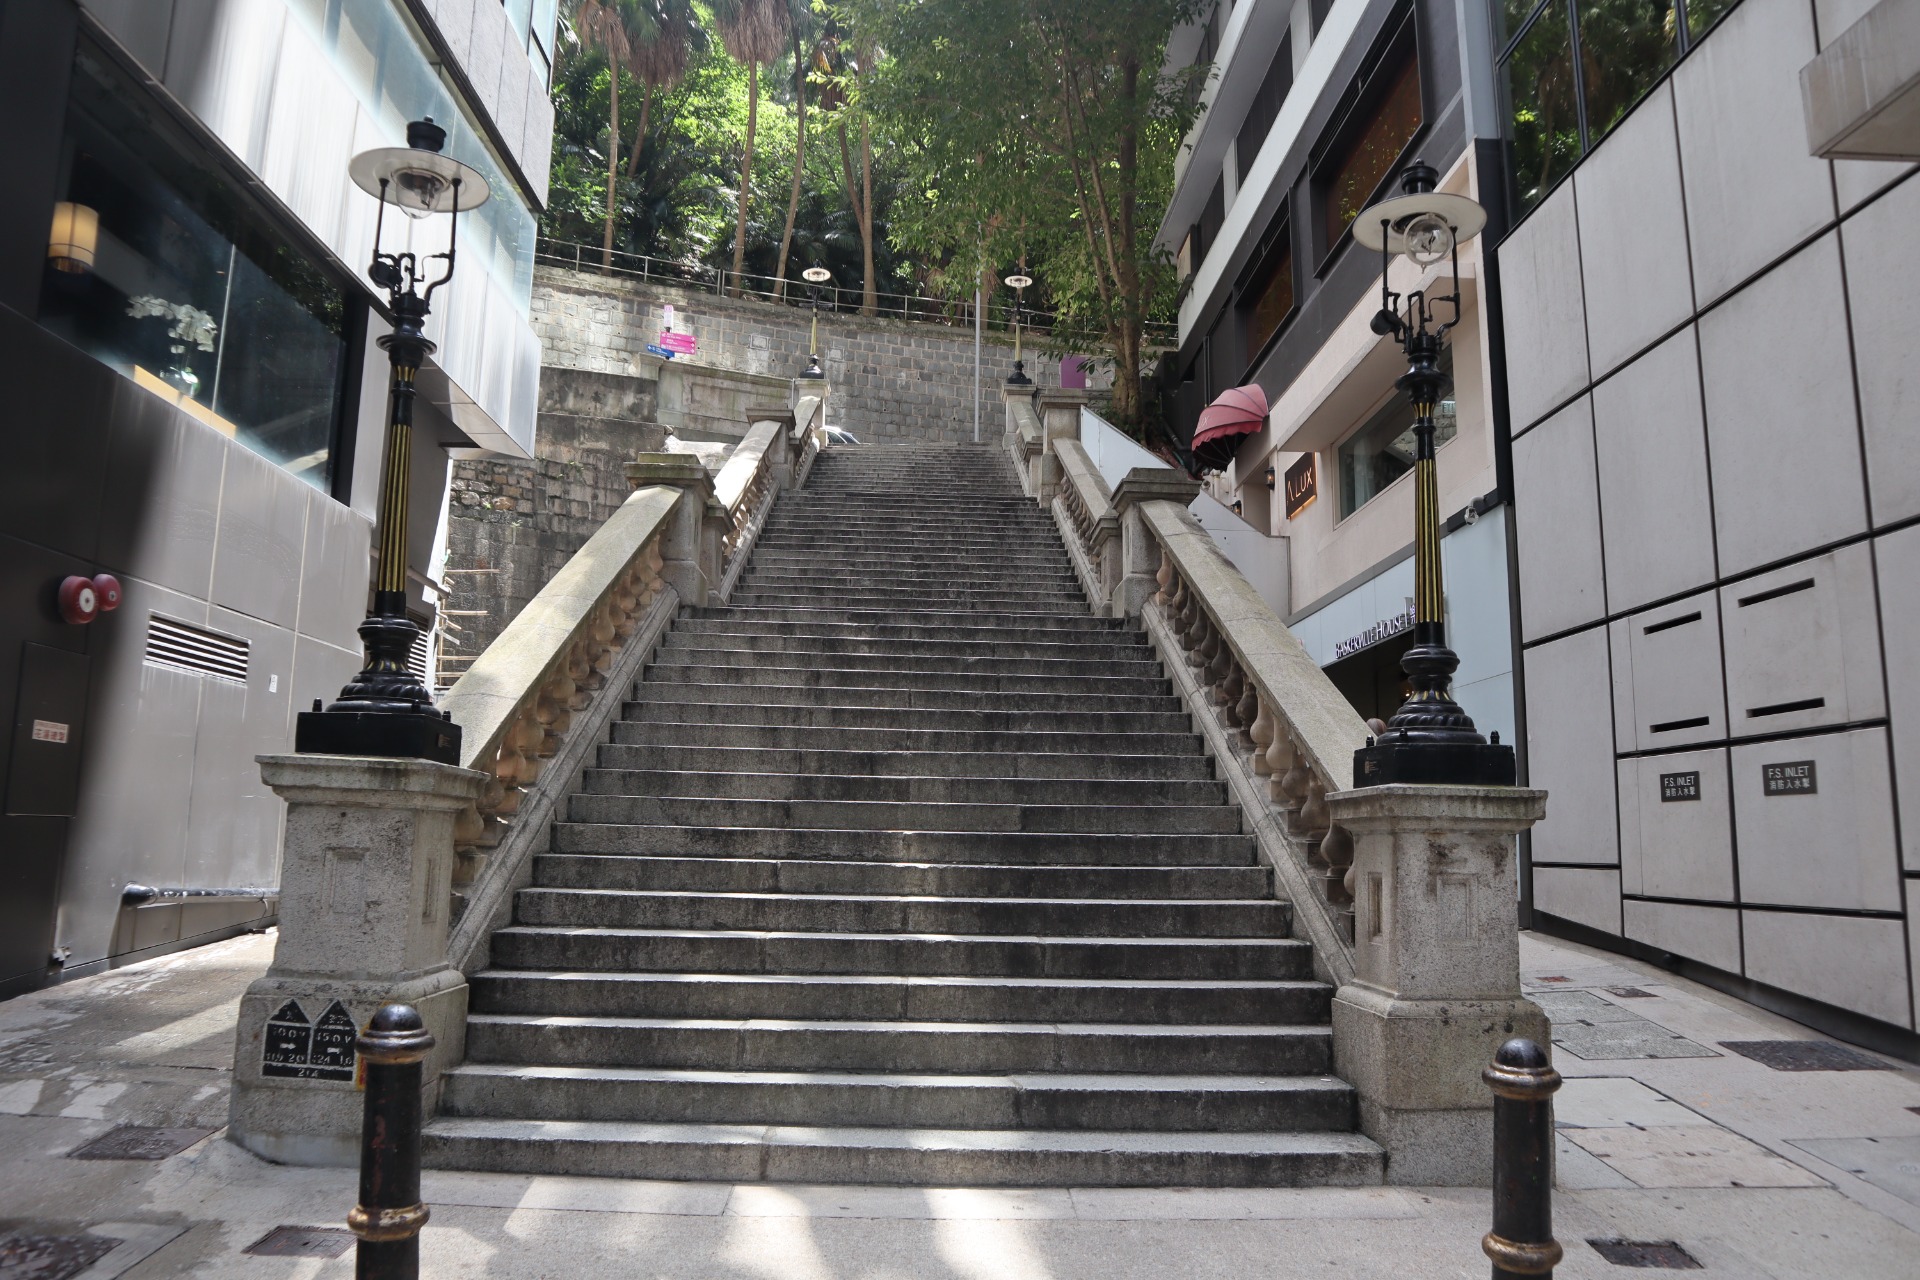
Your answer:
<point x="1436" y="987"/>
<point x="692" y="547"/>
<point x="1139" y="552"/>
<point x="365" y="887"/>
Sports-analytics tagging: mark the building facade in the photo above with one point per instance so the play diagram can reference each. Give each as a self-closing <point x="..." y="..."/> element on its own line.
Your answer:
<point x="1716" y="498"/>
<point x="198" y="410"/>
<point x="1311" y="112"/>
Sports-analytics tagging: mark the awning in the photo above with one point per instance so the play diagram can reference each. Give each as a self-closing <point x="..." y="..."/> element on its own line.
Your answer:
<point x="1232" y="417"/>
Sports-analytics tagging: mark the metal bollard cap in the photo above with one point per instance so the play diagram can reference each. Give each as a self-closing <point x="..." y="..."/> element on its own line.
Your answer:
<point x="394" y="1036"/>
<point x="1521" y="1070"/>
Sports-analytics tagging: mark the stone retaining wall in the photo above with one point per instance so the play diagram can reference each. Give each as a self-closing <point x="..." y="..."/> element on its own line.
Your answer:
<point x="893" y="380"/>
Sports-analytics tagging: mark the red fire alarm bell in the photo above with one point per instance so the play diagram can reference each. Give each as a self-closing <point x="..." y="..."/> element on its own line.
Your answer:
<point x="106" y="589"/>
<point x="84" y="599"/>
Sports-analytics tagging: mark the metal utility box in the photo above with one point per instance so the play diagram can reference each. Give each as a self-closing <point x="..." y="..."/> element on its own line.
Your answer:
<point x="1676" y="826"/>
<point x="1803" y="646"/>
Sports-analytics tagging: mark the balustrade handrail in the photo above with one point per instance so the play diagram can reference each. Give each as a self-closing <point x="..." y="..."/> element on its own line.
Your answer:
<point x="919" y="307"/>
<point x="1300" y="730"/>
<point x="515" y="704"/>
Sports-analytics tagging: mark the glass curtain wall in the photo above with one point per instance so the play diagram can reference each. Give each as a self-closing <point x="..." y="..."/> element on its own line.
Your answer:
<point x="1382" y="451"/>
<point x="158" y="268"/>
<point x="1622" y="48"/>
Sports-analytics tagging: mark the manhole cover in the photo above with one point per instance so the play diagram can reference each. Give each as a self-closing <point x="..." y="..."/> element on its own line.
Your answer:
<point x="136" y="1142"/>
<point x="24" y="1256"/>
<point x="1646" y="1253"/>
<point x="302" y="1242"/>
<point x="1630" y="993"/>
<point x="1804" y="1055"/>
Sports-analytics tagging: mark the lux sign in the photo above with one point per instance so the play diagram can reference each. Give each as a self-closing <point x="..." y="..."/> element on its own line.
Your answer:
<point x="1303" y="485"/>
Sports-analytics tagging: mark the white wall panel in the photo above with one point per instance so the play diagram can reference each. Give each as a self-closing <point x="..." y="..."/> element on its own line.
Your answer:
<point x="1780" y="412"/>
<point x="1883" y="288"/>
<point x="1802" y="648"/>
<point x="1557" y="522"/>
<point x="1673" y="846"/>
<point x="1897" y="557"/>
<point x="1707" y="934"/>
<point x="1667" y="688"/>
<point x="1833" y="847"/>
<point x="1753" y="192"/>
<point x="1570" y="749"/>
<point x="1545" y="312"/>
<point x="221" y="59"/>
<point x="1856" y="963"/>
<point x="261" y="538"/>
<point x="1651" y="443"/>
<point x="1633" y="232"/>
<point x="1589" y="897"/>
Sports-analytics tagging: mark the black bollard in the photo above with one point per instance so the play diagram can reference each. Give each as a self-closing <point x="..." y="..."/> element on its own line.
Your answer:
<point x="1521" y="1243"/>
<point x="389" y="1216"/>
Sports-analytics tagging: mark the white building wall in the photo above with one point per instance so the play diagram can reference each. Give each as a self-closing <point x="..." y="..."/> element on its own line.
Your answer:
<point x="1707" y="375"/>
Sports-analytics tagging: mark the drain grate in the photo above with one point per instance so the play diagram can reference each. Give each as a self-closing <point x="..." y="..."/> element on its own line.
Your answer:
<point x="25" y="1256"/>
<point x="1630" y="993"/>
<point x="302" y="1242"/>
<point x="136" y="1142"/>
<point x="1664" y="1254"/>
<point x="1804" y="1055"/>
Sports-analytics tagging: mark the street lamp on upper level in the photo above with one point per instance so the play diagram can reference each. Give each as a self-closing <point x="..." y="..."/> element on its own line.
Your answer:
<point x="815" y="277"/>
<point x="1018" y="283"/>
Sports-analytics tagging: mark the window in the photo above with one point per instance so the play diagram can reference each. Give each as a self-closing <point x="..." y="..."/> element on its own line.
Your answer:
<point x="1183" y="260"/>
<point x="1211" y="218"/>
<point x="1272" y="302"/>
<point x="159" y="268"/>
<point x="1265" y="288"/>
<point x="1317" y="13"/>
<point x="1377" y="130"/>
<point x="1623" y="48"/>
<point x="1265" y="107"/>
<point x="1382" y="451"/>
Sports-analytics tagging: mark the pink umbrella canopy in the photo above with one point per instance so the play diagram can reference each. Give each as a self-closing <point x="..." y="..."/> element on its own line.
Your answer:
<point x="1234" y="415"/>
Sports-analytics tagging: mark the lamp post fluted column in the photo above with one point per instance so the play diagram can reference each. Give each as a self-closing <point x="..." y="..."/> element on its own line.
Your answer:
<point x="386" y="710"/>
<point x="1430" y="738"/>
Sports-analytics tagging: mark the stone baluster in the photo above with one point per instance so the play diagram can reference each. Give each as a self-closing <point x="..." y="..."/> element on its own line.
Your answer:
<point x="1261" y="732"/>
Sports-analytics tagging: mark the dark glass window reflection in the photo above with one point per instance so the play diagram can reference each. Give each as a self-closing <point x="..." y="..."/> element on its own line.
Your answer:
<point x="1382" y="451"/>
<point x="1623" y="48"/>
<point x="156" y="266"/>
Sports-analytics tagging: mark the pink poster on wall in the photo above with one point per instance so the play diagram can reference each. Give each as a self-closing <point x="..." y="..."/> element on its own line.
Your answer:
<point x="1073" y="372"/>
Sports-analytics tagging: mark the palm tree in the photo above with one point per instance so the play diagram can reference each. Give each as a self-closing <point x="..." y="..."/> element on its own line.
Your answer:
<point x="609" y="26"/>
<point x="658" y="58"/>
<point x="801" y="20"/>
<point x="753" y="31"/>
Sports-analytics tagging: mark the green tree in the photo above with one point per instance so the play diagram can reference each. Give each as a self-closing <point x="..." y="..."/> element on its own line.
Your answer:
<point x="754" y="32"/>
<point x="1040" y="131"/>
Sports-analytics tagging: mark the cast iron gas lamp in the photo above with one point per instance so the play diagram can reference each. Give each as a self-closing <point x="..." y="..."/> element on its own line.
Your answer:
<point x="1430" y="739"/>
<point x="386" y="710"/>
<point x="815" y="277"/>
<point x="1018" y="283"/>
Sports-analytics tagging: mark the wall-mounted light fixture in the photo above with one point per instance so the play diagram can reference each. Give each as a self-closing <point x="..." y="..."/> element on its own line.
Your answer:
<point x="1270" y="478"/>
<point x="74" y="239"/>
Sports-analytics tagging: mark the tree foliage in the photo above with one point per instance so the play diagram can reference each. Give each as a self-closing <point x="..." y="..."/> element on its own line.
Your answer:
<point x="1039" y="134"/>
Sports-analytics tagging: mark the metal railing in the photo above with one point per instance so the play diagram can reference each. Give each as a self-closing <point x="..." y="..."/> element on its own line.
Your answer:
<point x="916" y="307"/>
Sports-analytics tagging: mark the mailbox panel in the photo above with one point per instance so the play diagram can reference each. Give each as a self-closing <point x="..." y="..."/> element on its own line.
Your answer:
<point x="1813" y="822"/>
<point x="1803" y="645"/>
<point x="1676" y="826"/>
<point x="1667" y="688"/>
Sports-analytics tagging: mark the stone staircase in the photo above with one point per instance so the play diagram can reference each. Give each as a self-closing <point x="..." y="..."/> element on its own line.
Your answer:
<point x="902" y="868"/>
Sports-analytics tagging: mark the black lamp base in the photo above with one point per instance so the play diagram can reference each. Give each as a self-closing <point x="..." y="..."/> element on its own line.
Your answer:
<point x="407" y="735"/>
<point x="1454" y="764"/>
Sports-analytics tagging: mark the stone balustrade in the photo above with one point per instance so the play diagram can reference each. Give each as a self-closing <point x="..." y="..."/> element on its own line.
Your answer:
<point x="1425" y="963"/>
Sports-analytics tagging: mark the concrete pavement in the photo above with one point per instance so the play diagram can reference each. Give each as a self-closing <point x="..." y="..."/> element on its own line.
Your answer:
<point x="1665" y="1136"/>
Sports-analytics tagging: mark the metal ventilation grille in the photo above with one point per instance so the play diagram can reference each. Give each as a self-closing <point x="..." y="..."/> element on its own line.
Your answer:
<point x="420" y="659"/>
<point x="180" y="646"/>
